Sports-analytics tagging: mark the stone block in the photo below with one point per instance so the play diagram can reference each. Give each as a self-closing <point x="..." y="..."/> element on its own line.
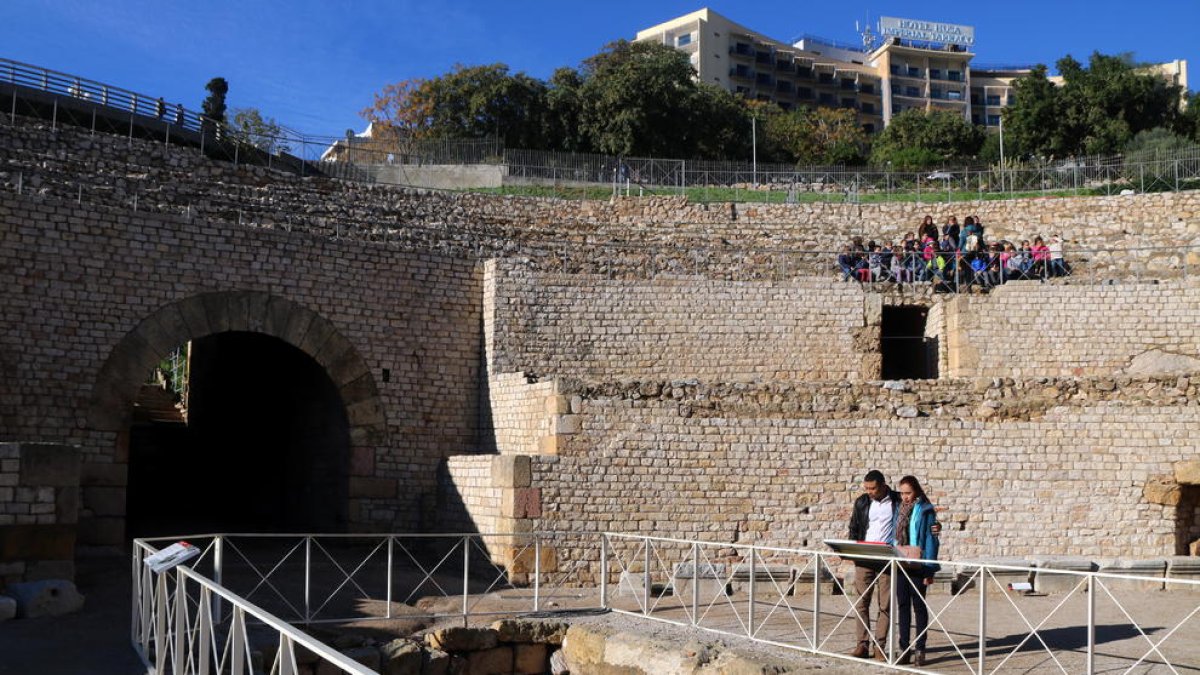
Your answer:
<point x="66" y="505"/>
<point x="39" y="570"/>
<point x="511" y="471"/>
<point x="37" y="542"/>
<point x="531" y="631"/>
<point x="583" y="648"/>
<point x="521" y="503"/>
<point x="104" y="474"/>
<point x="462" y="639"/>
<point x="1162" y="490"/>
<point x="372" y="488"/>
<point x="521" y="560"/>
<point x="568" y="424"/>
<point x="50" y="465"/>
<point x="104" y="501"/>
<point x="402" y="657"/>
<point x="551" y="445"/>
<point x="362" y="460"/>
<point x="495" y="661"/>
<point x="558" y="405"/>
<point x="1187" y="472"/>
<point x="436" y="662"/>
<point x="530" y="659"/>
<point x="558" y="663"/>
<point x="52" y="597"/>
<point x="707" y="590"/>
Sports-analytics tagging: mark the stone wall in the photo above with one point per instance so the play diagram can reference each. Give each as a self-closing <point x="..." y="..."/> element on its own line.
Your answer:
<point x="518" y="416"/>
<point x="634" y="237"/>
<point x="594" y="328"/>
<point x="1028" y="329"/>
<point x="1013" y="469"/>
<point x="95" y="297"/>
<point x="39" y="509"/>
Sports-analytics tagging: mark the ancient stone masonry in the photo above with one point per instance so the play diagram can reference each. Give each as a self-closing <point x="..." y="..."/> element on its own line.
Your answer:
<point x="96" y="296"/>
<point x="623" y="237"/>
<point x="39" y="509"/>
<point x="647" y="365"/>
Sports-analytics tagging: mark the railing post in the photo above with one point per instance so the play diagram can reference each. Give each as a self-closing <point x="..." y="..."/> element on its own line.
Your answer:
<point x="750" y="600"/>
<point x="205" y="620"/>
<point x="218" y="574"/>
<point x="816" y="627"/>
<point x="237" y="645"/>
<point x="537" y="572"/>
<point x="981" y="665"/>
<point x="896" y="571"/>
<point x="1091" y="624"/>
<point x="466" y="543"/>
<point x="179" y="663"/>
<point x="695" y="582"/>
<point x="646" y="577"/>
<point x="390" y="542"/>
<point x="54" y="117"/>
<point x="307" y="577"/>
<point x="160" y="622"/>
<point x="603" y="570"/>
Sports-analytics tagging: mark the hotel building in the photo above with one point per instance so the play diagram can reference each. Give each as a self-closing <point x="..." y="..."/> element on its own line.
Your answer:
<point x="913" y="64"/>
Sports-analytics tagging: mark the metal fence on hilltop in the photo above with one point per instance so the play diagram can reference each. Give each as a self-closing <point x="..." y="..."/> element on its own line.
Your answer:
<point x="68" y="99"/>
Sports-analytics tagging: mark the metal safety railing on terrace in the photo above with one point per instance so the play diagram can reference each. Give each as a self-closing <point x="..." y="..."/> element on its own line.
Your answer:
<point x="84" y="102"/>
<point x="250" y="601"/>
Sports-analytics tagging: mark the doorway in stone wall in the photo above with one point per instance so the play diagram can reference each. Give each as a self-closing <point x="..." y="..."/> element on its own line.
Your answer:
<point x="261" y="443"/>
<point x="1187" y="518"/>
<point x="907" y="354"/>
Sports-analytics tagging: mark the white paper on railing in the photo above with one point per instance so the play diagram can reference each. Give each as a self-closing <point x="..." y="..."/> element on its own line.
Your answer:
<point x="171" y="556"/>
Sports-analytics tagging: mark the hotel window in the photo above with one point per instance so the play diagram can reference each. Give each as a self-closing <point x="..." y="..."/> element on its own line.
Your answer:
<point x="954" y="95"/>
<point x="847" y="83"/>
<point x="867" y="88"/>
<point x="895" y="69"/>
<point x="848" y="103"/>
<point x="869" y="128"/>
<point x="936" y="92"/>
<point x="976" y="96"/>
<point x="896" y="90"/>
<point x="683" y="40"/>
<point x="1012" y="99"/>
<point x="804" y="92"/>
<point x="914" y="72"/>
<point x="826" y="99"/>
<point x="825" y="78"/>
<point x="993" y="99"/>
<point x="993" y="120"/>
<point x="912" y="91"/>
<point x="804" y="71"/>
<point x="975" y="119"/>
<point x="935" y="73"/>
<point x="954" y="75"/>
<point x="868" y="108"/>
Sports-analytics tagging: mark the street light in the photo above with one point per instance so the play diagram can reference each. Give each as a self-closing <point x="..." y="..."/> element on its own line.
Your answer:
<point x="754" y="151"/>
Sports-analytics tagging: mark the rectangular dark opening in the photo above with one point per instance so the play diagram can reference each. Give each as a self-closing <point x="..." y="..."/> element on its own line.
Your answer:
<point x="907" y="353"/>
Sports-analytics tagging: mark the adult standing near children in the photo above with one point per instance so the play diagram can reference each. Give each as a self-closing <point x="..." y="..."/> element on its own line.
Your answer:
<point x="915" y="526"/>
<point x="873" y="519"/>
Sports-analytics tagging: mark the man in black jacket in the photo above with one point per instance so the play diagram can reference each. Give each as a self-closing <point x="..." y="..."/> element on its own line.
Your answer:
<point x="872" y="520"/>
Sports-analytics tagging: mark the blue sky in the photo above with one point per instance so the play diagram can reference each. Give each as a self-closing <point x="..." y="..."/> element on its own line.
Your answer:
<point x="313" y="64"/>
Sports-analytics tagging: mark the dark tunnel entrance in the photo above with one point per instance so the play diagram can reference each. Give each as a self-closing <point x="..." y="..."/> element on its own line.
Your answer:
<point x="265" y="445"/>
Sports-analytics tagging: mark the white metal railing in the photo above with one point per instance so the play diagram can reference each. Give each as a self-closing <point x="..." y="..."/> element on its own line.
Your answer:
<point x="799" y="599"/>
<point x="245" y="599"/>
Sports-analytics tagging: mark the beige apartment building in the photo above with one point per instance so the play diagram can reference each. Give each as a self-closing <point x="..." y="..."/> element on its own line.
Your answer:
<point x="913" y="64"/>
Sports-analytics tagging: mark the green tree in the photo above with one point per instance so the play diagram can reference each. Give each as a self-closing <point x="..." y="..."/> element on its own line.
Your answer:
<point x="637" y="99"/>
<point x="468" y="102"/>
<point x="214" y="105"/>
<point x="820" y="136"/>
<point x="1033" y="125"/>
<point x="915" y="139"/>
<point x="261" y="132"/>
<point x="1098" y="109"/>
<point x="563" y="106"/>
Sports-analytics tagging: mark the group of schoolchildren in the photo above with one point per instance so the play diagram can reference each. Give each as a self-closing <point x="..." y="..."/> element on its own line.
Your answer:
<point x="954" y="257"/>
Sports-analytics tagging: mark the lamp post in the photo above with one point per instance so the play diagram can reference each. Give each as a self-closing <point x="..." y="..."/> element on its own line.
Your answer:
<point x="754" y="151"/>
<point x="1001" y="152"/>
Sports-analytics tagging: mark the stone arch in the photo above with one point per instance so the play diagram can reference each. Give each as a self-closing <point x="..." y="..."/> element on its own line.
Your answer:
<point x="171" y="325"/>
<point x="109" y="414"/>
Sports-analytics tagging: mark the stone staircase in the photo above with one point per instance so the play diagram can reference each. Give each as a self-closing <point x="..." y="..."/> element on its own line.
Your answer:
<point x="156" y="404"/>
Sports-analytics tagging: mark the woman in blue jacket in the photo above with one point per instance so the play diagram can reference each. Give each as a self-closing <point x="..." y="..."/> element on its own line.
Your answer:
<point x="913" y="523"/>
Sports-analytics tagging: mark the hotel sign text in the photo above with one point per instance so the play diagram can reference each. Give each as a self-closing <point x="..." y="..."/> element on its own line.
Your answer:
<point x="926" y="31"/>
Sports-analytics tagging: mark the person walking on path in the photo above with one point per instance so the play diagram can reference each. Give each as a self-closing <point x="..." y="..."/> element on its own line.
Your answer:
<point x="914" y="528"/>
<point x="873" y="519"/>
